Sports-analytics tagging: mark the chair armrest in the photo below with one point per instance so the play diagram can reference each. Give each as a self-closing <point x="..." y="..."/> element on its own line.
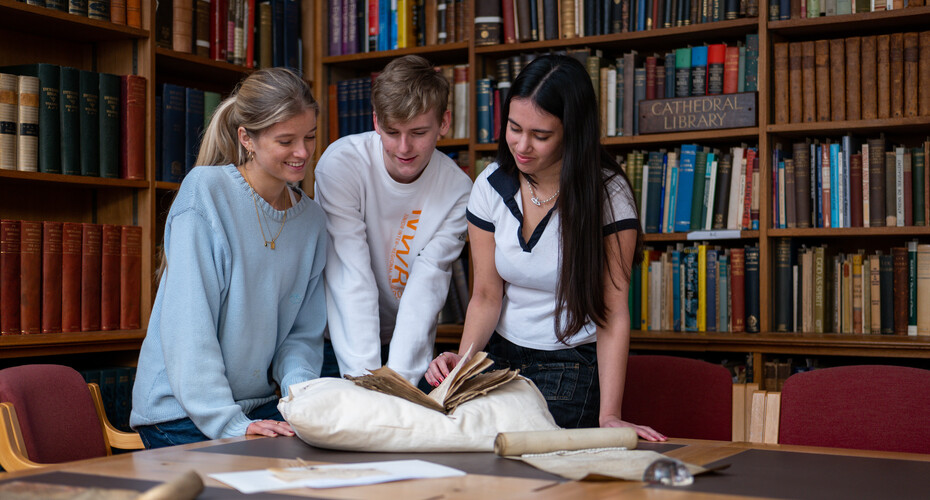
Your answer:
<point x="13" y="455"/>
<point x="114" y="437"/>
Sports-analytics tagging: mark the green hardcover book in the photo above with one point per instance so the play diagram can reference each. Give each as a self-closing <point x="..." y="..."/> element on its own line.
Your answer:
<point x="912" y="288"/>
<point x="741" y="70"/>
<point x="211" y="100"/>
<point x="919" y="172"/>
<point x="682" y="72"/>
<point x="89" y="120"/>
<point x="109" y="125"/>
<point x="697" y="196"/>
<point x="69" y="114"/>
<point x="49" y="120"/>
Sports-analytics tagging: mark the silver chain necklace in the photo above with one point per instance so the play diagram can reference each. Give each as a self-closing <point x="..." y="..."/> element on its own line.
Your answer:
<point x="536" y="201"/>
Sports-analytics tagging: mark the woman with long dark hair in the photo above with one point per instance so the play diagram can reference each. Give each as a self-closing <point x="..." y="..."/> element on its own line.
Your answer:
<point x="554" y="234"/>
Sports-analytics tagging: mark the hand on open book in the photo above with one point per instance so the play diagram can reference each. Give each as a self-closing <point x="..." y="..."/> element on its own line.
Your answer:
<point x="271" y="428"/>
<point x="643" y="431"/>
<point x="440" y="367"/>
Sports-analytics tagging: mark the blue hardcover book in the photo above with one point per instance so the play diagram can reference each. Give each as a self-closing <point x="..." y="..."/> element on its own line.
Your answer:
<point x="784" y="10"/>
<point x="776" y="158"/>
<point x="663" y="158"/>
<point x="723" y="294"/>
<point x="711" y="284"/>
<point x="699" y="70"/>
<point x="685" y="188"/>
<point x="193" y="127"/>
<point x="291" y="36"/>
<point x="672" y="196"/>
<point x="277" y="32"/>
<point x="848" y="147"/>
<point x="367" y="114"/>
<point x="392" y="25"/>
<point x="691" y="289"/>
<point x="483" y="102"/>
<point x="384" y="20"/>
<point x="158" y="141"/>
<point x="752" y="62"/>
<point x="342" y="107"/>
<point x="676" y="286"/>
<point x="640" y="15"/>
<point x="834" y="185"/>
<point x="172" y="132"/>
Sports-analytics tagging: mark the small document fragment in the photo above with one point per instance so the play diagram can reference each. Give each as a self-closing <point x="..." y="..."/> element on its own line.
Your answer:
<point x="334" y="475"/>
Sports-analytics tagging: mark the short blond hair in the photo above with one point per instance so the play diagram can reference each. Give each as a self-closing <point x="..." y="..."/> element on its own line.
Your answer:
<point x="407" y="87"/>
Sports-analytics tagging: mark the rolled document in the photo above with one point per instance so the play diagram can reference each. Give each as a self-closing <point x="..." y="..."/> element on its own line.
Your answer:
<point x="509" y="444"/>
<point x="184" y="487"/>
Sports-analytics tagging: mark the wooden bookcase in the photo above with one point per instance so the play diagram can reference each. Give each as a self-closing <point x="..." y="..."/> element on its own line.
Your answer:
<point x="759" y="346"/>
<point x="31" y="34"/>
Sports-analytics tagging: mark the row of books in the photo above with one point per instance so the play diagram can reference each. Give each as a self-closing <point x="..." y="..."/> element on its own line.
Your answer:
<point x="128" y="12"/>
<point x="697" y="288"/>
<point x="374" y="25"/>
<point x="62" y="120"/>
<point x="695" y="188"/>
<point x="847" y="184"/>
<point x="115" y="384"/>
<point x="234" y="31"/>
<point x="513" y="21"/>
<point x="856" y="293"/>
<point x="796" y="9"/>
<point x="181" y="116"/>
<point x="69" y="277"/>
<point x="868" y="77"/>
<point x="453" y="311"/>
<point x="351" y="109"/>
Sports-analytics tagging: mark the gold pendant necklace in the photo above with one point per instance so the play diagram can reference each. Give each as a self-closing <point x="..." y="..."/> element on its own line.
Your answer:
<point x="260" y="217"/>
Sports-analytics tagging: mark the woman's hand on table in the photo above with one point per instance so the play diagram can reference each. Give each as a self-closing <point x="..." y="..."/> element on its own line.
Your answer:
<point x="643" y="431"/>
<point x="270" y="428"/>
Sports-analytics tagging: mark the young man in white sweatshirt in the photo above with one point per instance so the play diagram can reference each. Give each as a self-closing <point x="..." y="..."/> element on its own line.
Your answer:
<point x="395" y="209"/>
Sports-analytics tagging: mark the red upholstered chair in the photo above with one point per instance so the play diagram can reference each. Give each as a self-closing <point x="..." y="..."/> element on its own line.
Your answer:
<point x="868" y="407"/>
<point x="48" y="414"/>
<point x="679" y="397"/>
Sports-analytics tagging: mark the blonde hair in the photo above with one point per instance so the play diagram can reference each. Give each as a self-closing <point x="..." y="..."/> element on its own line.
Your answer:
<point x="264" y="98"/>
<point x="409" y="86"/>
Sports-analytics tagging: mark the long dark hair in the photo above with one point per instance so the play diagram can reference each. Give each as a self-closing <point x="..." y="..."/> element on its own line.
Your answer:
<point x="560" y="85"/>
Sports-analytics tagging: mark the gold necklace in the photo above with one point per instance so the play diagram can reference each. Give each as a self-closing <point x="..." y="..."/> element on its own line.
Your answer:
<point x="260" y="217"/>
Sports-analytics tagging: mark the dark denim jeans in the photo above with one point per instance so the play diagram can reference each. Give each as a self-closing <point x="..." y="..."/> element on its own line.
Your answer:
<point x="183" y="431"/>
<point x="566" y="377"/>
<point x="331" y="365"/>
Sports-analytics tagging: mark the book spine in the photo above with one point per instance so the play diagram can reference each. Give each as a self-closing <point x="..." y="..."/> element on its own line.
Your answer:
<point x="49" y="118"/>
<point x="172" y="133"/>
<point x="89" y="118"/>
<point x="896" y="70"/>
<point x="130" y="278"/>
<point x="10" y="236"/>
<point x="27" y="130"/>
<point x="134" y="13"/>
<point x="182" y="21"/>
<point x="795" y="82"/>
<point x="9" y="85"/>
<point x="837" y="80"/>
<point x="70" y="109"/>
<point x="919" y="172"/>
<point x="911" y="75"/>
<point x="875" y="294"/>
<point x="853" y="94"/>
<point x="751" y="257"/>
<point x="110" y="277"/>
<point x="51" y="277"/>
<point x="201" y="28"/>
<point x="886" y="270"/>
<point x="883" y="72"/>
<point x="30" y="277"/>
<point x="891" y="198"/>
<point x="71" y="248"/>
<point x="193" y="126"/>
<point x="876" y="182"/>
<point x="900" y="295"/>
<point x="808" y="82"/>
<point x="98" y="9"/>
<point x="164" y="13"/>
<point x="91" y="243"/>
<point x="869" y="74"/>
<point x="731" y="70"/>
<point x="780" y="71"/>
<point x="923" y="289"/>
<point x="923" y="70"/>
<point x="109" y="134"/>
<point x="132" y="127"/>
<point x="783" y="286"/>
<point x="738" y="290"/>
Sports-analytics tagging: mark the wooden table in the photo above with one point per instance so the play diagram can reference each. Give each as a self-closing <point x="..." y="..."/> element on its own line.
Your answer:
<point x="756" y="471"/>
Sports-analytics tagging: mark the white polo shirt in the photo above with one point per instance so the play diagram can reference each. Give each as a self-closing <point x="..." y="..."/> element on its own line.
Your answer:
<point x="530" y="268"/>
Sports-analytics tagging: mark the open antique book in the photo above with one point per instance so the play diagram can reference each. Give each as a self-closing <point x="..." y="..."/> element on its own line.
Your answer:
<point x="465" y="382"/>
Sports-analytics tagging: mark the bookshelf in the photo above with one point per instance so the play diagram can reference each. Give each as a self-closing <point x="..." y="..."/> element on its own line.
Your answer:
<point x="758" y="346"/>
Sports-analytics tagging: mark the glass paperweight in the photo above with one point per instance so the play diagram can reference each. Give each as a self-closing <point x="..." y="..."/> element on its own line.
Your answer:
<point x="669" y="472"/>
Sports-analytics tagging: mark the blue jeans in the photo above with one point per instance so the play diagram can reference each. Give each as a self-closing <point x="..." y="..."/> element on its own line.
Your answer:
<point x="567" y="378"/>
<point x="183" y="431"/>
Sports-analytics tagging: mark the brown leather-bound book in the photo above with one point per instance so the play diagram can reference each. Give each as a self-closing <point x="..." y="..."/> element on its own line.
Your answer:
<point x="867" y="85"/>
<point x="488" y="23"/>
<point x="132" y="127"/>
<point x="737" y="289"/>
<point x="808" y="82"/>
<point x="837" y="79"/>
<point x="568" y="18"/>
<point x="911" y="74"/>
<point x="822" y="79"/>
<point x="855" y="190"/>
<point x="790" y="194"/>
<point x="853" y="99"/>
<point x="30" y="277"/>
<point x="896" y="73"/>
<point x="91" y="242"/>
<point x="182" y="25"/>
<point x="118" y="11"/>
<point x="780" y="70"/>
<point x="899" y="259"/>
<point x="130" y="297"/>
<point x="51" y="277"/>
<point x="9" y="276"/>
<point x="801" y="153"/>
<point x="72" y="234"/>
<point x="923" y="70"/>
<point x="134" y="13"/>
<point x="524" y="33"/>
<point x="883" y="74"/>
<point x="109" y="277"/>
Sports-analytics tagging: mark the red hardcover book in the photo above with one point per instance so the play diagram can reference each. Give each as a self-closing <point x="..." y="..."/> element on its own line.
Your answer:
<point x="218" y="30"/>
<point x="716" y="57"/>
<point x="737" y="290"/>
<point x="855" y="195"/>
<point x="30" y="277"/>
<point x="731" y="70"/>
<point x="72" y="235"/>
<point x="130" y="289"/>
<point x="110" y="277"/>
<point x="250" y="35"/>
<point x="91" y="243"/>
<point x="132" y="127"/>
<point x="51" y="277"/>
<point x="751" y="159"/>
<point x="9" y="276"/>
<point x="510" y="30"/>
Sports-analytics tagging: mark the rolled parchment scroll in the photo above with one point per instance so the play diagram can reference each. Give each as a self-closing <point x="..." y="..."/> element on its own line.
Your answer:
<point x="509" y="444"/>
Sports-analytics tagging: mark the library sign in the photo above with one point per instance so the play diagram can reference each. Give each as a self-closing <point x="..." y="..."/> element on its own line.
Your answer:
<point x="706" y="112"/>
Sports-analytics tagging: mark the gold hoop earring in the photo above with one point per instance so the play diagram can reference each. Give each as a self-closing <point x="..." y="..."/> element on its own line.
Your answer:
<point x="251" y="154"/>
